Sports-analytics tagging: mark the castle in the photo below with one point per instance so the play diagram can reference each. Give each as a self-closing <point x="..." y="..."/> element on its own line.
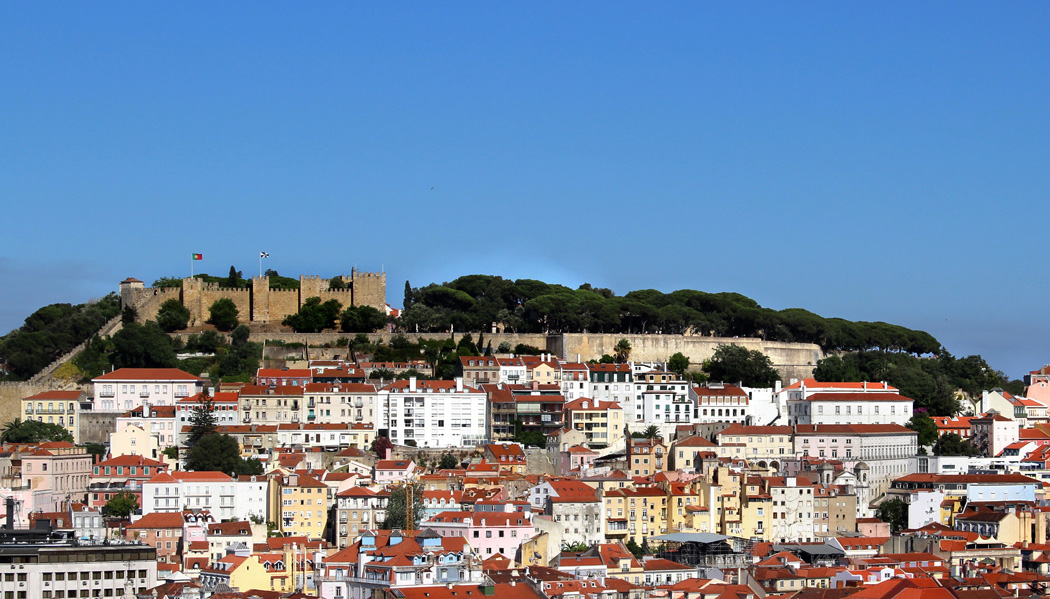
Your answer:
<point x="260" y="303"/>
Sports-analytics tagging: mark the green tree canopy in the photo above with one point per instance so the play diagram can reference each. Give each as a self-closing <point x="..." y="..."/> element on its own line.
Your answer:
<point x="202" y="421"/>
<point x="314" y="316"/>
<point x="142" y="346"/>
<point x="172" y="316"/>
<point x="361" y="319"/>
<point x="895" y="512"/>
<point x="121" y="505"/>
<point x="953" y="444"/>
<point x="678" y="364"/>
<point x="224" y="314"/>
<point x="32" y="431"/>
<point x="737" y="364"/>
<point x="396" y="508"/>
<point x="448" y="462"/>
<point x="925" y="426"/>
<point x="220" y="453"/>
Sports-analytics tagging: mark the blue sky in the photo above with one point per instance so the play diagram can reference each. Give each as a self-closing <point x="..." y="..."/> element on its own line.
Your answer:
<point x="880" y="161"/>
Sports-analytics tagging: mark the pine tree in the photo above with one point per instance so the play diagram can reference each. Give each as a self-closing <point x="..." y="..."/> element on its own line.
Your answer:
<point x="202" y="421"/>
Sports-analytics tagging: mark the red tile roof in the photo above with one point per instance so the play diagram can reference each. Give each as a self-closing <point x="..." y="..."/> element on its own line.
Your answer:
<point x="148" y="374"/>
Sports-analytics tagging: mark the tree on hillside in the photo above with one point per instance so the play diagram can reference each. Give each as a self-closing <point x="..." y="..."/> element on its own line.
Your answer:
<point x="128" y="314"/>
<point x="925" y="426"/>
<point x="224" y="314"/>
<point x="448" y="462"/>
<point x="622" y="351"/>
<point x="678" y="364"/>
<point x="737" y="364"/>
<point x="895" y="512"/>
<point x="142" y="346"/>
<point x="202" y="421"/>
<point x="953" y="444"/>
<point x="220" y="453"/>
<point x="314" y="316"/>
<point x="32" y="431"/>
<point x="121" y="505"/>
<point x="361" y="319"/>
<point x="396" y="508"/>
<point x="234" y="279"/>
<point x="172" y="316"/>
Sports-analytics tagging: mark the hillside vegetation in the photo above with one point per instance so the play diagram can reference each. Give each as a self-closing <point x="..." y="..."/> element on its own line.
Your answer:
<point x="51" y="332"/>
<point x="474" y="302"/>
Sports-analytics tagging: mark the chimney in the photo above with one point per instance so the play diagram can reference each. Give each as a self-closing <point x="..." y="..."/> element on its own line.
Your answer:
<point x="459" y="384"/>
<point x="412" y="384"/>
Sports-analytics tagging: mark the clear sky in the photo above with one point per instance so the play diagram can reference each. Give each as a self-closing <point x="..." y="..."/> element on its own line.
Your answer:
<point x="872" y="161"/>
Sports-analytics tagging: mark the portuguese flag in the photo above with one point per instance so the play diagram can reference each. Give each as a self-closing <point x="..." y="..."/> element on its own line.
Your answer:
<point x="198" y="256"/>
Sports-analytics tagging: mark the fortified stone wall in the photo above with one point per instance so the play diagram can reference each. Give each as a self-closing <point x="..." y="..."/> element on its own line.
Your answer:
<point x="793" y="360"/>
<point x="198" y="296"/>
<point x="257" y="303"/>
<point x="283" y="303"/>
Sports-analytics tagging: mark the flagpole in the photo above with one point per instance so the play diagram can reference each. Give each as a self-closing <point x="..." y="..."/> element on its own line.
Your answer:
<point x="260" y="264"/>
<point x="191" y="265"/>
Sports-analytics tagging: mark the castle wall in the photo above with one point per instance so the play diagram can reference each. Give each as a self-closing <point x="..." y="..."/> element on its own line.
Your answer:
<point x="793" y="360"/>
<point x="283" y="303"/>
<point x="258" y="303"/>
<point x="198" y="297"/>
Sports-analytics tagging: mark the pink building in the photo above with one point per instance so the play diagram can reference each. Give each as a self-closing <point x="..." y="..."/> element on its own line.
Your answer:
<point x="488" y="533"/>
<point x="58" y="467"/>
<point x="393" y="471"/>
<point x="577" y="458"/>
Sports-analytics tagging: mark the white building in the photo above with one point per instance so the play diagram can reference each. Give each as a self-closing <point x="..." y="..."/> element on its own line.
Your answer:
<point x="433" y="413"/>
<point x="250" y="496"/>
<point x="876" y="453"/>
<point x="721" y="403"/>
<point x="158" y="421"/>
<point x="664" y="398"/>
<point x="176" y="491"/>
<point x="511" y="370"/>
<point x="62" y="569"/>
<point x="128" y="388"/>
<point x="615" y="382"/>
<point x="851" y="408"/>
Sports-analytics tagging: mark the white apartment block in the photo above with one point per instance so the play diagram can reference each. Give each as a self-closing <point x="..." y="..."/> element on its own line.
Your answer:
<point x="433" y="413"/>
<point x="851" y="408"/>
<point x="128" y="388"/>
<point x="176" y="491"/>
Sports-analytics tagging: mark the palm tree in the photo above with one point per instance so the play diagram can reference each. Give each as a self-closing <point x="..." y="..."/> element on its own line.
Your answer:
<point x="9" y="429"/>
<point x="622" y="351"/>
<point x="651" y="432"/>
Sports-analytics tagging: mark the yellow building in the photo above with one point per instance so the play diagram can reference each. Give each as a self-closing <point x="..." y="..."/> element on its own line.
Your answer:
<point x="646" y="456"/>
<point x="762" y="446"/>
<point x="298" y="504"/>
<point x="645" y="510"/>
<point x="681" y="498"/>
<point x="55" y="407"/>
<point x="601" y="422"/>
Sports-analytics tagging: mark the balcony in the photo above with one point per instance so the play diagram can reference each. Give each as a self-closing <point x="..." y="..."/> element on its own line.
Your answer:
<point x="359" y="404"/>
<point x="310" y="415"/>
<point x="295" y="418"/>
<point x="109" y="394"/>
<point x="295" y="405"/>
<point x="144" y="393"/>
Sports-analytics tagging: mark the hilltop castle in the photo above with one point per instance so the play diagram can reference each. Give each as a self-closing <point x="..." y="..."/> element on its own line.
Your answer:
<point x="257" y="302"/>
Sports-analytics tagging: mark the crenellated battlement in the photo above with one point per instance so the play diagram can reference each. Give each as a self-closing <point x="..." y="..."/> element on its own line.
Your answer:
<point x="257" y="302"/>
